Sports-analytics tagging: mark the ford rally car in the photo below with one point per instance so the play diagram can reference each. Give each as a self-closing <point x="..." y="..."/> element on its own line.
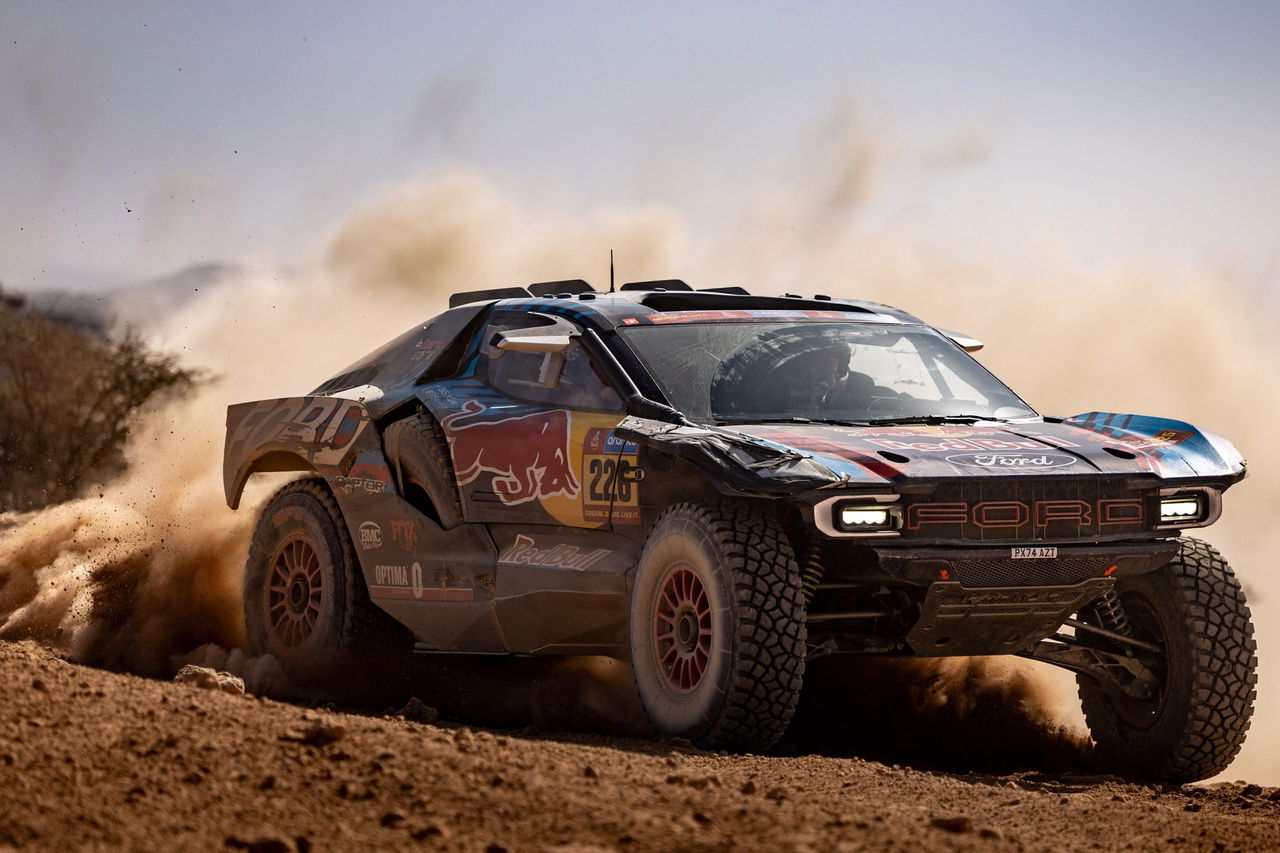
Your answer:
<point x="719" y="486"/>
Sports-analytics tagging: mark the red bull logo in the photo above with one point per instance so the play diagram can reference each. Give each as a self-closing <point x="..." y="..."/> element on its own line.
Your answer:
<point x="528" y="454"/>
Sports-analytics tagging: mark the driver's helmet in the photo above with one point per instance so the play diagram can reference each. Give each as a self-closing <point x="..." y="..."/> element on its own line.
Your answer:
<point x="822" y="369"/>
<point x="780" y="372"/>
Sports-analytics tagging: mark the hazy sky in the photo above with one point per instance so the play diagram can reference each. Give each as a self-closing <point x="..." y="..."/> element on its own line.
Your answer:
<point x="139" y="137"/>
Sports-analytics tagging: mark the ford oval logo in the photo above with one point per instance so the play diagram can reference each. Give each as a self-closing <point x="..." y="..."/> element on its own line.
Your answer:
<point x="1021" y="461"/>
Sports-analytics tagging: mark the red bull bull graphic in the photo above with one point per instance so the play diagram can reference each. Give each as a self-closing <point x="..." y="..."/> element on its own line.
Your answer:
<point x="527" y="454"/>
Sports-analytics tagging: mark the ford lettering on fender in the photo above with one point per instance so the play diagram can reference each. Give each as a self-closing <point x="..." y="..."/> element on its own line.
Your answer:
<point x="694" y="481"/>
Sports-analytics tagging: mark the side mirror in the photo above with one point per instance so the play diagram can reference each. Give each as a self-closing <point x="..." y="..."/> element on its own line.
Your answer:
<point x="962" y="340"/>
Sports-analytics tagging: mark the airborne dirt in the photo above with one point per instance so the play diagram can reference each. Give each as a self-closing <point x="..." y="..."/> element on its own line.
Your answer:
<point x="90" y="758"/>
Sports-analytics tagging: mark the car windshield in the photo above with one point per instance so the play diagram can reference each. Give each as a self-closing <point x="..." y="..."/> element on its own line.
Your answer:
<point x="753" y="372"/>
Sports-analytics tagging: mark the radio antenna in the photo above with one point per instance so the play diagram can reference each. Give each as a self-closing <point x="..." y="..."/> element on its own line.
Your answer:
<point x="611" y="270"/>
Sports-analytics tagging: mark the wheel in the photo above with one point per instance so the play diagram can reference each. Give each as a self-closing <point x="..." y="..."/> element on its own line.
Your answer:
<point x="304" y="597"/>
<point x="419" y="454"/>
<point x="717" y="627"/>
<point x="1194" y="609"/>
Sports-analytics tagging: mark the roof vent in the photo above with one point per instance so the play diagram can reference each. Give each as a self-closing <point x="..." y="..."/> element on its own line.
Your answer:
<point x="571" y="286"/>
<point x="659" y="284"/>
<point x="487" y="295"/>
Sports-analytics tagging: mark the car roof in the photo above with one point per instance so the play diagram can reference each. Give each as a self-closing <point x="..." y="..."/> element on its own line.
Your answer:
<point x="674" y="301"/>
<point x="384" y="380"/>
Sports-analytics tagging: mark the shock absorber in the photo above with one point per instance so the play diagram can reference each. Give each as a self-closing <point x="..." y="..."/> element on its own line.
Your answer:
<point x="1110" y="614"/>
<point x="811" y="572"/>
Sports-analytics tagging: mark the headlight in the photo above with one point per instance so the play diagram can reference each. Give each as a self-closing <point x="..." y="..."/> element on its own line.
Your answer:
<point x="1175" y="510"/>
<point x="1189" y="507"/>
<point x="851" y="516"/>
<point x="864" y="518"/>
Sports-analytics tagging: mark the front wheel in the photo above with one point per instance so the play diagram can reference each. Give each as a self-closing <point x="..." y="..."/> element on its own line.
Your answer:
<point x="717" y="627"/>
<point x="1191" y="729"/>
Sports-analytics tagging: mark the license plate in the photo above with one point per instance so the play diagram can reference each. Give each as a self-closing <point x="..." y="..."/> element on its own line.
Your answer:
<point x="1034" y="553"/>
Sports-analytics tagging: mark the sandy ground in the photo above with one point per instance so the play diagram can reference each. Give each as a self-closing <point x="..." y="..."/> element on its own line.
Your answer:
<point x="94" y="759"/>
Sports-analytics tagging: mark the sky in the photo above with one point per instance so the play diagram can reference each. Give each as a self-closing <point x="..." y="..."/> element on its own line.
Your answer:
<point x="139" y="138"/>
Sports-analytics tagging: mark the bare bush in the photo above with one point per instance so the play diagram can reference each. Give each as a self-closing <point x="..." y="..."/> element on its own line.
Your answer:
<point x="69" y="399"/>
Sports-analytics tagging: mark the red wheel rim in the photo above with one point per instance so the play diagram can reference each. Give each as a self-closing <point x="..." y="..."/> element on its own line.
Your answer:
<point x="295" y="591"/>
<point x="682" y="629"/>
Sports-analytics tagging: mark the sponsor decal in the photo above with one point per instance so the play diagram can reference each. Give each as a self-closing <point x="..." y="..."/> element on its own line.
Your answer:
<point x="370" y="536"/>
<point x="1164" y="438"/>
<point x="997" y="514"/>
<point x="526" y="552"/>
<point x="527" y="454"/>
<point x="397" y="582"/>
<point x="611" y="474"/>
<point x="1033" y="553"/>
<point x="1009" y="596"/>
<point x="971" y="443"/>
<point x="359" y="484"/>
<point x="1012" y="461"/>
<point x="391" y="575"/>
<point x="404" y="534"/>
<point x="706" y="316"/>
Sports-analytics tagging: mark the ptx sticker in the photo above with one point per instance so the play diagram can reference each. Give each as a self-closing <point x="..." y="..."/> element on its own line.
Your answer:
<point x="527" y="454"/>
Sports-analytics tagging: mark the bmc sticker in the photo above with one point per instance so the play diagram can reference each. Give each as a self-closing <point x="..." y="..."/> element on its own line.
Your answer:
<point x="1034" y="553"/>
<point x="610" y="473"/>
<point x="370" y="536"/>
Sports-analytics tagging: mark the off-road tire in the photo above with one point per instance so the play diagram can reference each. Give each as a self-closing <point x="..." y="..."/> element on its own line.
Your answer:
<point x="1195" y="608"/>
<point x="747" y="691"/>
<point x="303" y="517"/>
<point x="419" y="455"/>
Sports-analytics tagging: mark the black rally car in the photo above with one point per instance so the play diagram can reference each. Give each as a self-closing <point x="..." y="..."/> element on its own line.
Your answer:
<point x="718" y="486"/>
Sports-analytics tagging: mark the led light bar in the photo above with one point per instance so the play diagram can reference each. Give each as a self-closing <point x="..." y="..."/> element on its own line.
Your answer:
<point x="852" y="516"/>
<point x="864" y="517"/>
<point x="1180" y="509"/>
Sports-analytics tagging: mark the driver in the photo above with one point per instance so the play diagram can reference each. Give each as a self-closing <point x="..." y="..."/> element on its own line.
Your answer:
<point x="812" y="376"/>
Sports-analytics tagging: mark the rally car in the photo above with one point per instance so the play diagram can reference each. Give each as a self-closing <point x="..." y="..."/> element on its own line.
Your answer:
<point x="718" y="486"/>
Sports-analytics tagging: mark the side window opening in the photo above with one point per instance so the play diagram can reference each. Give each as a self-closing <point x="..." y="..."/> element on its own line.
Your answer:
<point x="568" y="379"/>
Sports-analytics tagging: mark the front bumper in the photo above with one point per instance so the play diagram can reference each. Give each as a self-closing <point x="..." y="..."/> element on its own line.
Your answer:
<point x="983" y="601"/>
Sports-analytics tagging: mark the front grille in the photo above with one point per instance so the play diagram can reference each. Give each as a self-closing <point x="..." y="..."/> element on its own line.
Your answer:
<point x="998" y="571"/>
<point x="1025" y="509"/>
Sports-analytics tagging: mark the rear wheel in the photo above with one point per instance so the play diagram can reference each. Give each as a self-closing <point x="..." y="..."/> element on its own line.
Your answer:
<point x="717" y="627"/>
<point x="1191" y="729"/>
<point x="419" y="454"/>
<point x="304" y="598"/>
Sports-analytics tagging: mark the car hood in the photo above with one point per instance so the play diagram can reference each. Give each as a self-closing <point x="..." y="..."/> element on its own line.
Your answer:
<point x="1089" y="444"/>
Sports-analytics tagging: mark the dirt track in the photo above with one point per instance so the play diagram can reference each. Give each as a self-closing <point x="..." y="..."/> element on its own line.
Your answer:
<point x="95" y="759"/>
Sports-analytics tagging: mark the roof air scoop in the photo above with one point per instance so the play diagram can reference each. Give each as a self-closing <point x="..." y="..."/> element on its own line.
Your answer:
<point x="571" y="286"/>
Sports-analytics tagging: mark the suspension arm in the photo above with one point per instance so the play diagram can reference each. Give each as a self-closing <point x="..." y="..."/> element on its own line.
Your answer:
<point x="1117" y="674"/>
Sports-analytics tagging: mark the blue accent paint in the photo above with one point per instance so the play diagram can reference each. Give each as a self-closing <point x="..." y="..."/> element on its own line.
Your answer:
<point x="1177" y="444"/>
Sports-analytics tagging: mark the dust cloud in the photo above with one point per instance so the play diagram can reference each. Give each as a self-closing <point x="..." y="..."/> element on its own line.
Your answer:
<point x="145" y="573"/>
